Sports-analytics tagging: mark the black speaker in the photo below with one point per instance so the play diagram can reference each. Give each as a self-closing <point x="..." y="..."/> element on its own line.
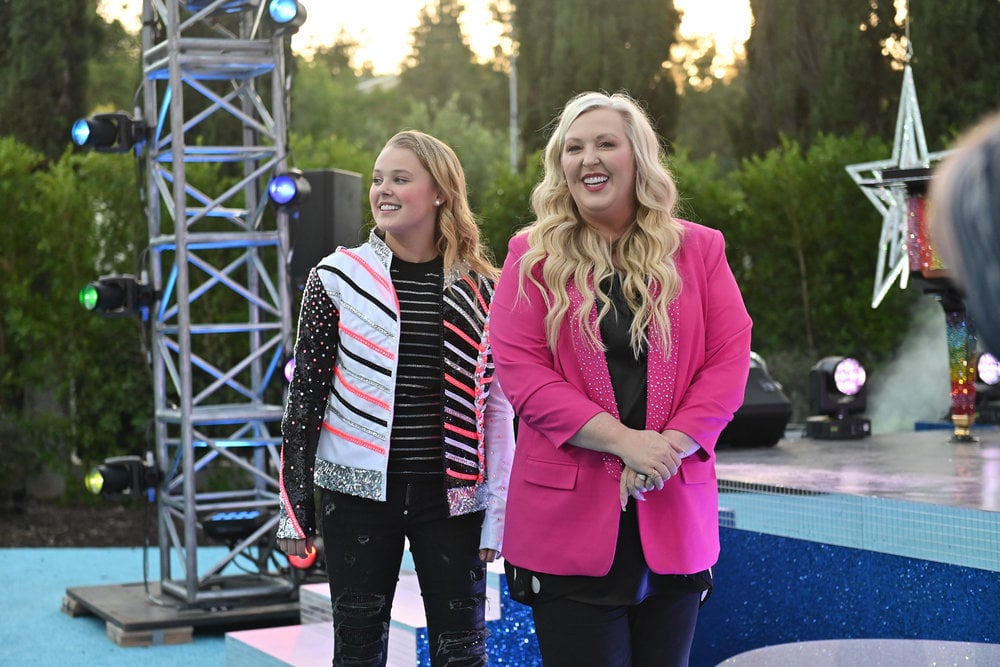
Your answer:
<point x="329" y="217"/>
<point x="761" y="420"/>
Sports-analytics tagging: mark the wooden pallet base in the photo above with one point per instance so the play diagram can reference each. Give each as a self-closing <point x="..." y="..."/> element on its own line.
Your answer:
<point x="141" y="615"/>
<point x="163" y="636"/>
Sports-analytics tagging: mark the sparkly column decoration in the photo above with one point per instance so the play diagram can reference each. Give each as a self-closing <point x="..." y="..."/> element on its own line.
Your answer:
<point x="962" y="367"/>
<point x="923" y="255"/>
<point x="897" y="188"/>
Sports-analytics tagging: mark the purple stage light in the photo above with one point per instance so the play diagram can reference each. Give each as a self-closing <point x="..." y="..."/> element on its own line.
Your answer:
<point x="849" y="376"/>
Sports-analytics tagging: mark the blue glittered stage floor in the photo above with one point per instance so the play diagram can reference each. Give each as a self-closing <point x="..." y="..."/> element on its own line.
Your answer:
<point x="891" y="537"/>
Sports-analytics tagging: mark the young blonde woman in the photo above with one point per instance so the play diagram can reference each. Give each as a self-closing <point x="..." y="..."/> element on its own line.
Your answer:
<point x="622" y="341"/>
<point x="395" y="415"/>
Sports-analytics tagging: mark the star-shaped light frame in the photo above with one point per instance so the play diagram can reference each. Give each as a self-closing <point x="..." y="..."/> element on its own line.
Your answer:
<point x="909" y="151"/>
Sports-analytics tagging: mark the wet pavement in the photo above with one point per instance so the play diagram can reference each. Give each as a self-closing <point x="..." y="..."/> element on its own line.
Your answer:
<point x="922" y="466"/>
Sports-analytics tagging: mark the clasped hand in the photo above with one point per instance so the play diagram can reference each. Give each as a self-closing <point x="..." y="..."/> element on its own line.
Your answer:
<point x="650" y="462"/>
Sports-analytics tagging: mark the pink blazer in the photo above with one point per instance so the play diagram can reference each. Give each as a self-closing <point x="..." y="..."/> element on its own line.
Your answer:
<point x="562" y="505"/>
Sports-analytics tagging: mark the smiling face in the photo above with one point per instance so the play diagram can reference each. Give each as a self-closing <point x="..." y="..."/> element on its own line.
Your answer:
<point x="402" y="198"/>
<point x="599" y="166"/>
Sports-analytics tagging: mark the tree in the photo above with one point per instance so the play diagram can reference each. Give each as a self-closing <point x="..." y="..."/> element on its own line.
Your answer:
<point x="442" y="66"/>
<point x="114" y="74"/>
<point x="563" y="51"/>
<point x="43" y="68"/>
<point x="329" y="98"/>
<point x="709" y="118"/>
<point x="804" y="248"/>
<point x="817" y="66"/>
<point x="955" y="64"/>
<point x="70" y="382"/>
<point x="441" y="56"/>
<point x="474" y="143"/>
<point x="506" y="206"/>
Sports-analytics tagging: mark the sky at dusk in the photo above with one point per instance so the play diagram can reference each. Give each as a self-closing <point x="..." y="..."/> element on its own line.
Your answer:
<point x="383" y="29"/>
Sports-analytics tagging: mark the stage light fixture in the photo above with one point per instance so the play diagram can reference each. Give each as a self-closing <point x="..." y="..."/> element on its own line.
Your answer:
<point x="289" y="189"/>
<point x="289" y="369"/>
<point x="233" y="526"/>
<point x="328" y="218"/>
<point x="837" y="394"/>
<point x="287" y="15"/>
<point x="123" y="477"/>
<point x="115" y="132"/>
<point x="116" y="296"/>
<point x="762" y="418"/>
<point x="987" y="389"/>
<point x="229" y="7"/>
<point x="988" y="368"/>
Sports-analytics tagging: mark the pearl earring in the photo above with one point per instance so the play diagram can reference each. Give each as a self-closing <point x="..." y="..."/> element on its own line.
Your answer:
<point x="438" y="202"/>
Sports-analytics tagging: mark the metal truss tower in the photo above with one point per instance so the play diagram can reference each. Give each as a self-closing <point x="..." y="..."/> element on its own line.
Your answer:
<point x="215" y="101"/>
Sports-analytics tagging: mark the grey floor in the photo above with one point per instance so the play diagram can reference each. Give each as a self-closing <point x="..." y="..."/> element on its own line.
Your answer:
<point x="920" y="466"/>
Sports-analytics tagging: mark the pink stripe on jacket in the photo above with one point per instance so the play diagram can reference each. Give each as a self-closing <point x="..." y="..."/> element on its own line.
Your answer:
<point x="562" y="506"/>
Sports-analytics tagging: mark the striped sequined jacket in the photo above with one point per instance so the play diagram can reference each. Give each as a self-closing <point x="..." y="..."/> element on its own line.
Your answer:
<point x="338" y="417"/>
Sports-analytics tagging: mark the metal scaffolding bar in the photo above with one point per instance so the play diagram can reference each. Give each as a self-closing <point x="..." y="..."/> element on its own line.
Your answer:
<point x="223" y="328"/>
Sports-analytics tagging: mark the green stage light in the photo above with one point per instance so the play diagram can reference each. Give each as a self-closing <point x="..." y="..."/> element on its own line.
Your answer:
<point x="116" y="296"/>
<point x="122" y="477"/>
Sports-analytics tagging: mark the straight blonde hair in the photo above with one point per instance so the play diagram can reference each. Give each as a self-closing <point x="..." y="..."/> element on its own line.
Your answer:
<point x="456" y="234"/>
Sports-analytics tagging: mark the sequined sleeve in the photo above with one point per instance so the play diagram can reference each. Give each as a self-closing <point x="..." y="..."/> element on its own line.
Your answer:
<point x="315" y="347"/>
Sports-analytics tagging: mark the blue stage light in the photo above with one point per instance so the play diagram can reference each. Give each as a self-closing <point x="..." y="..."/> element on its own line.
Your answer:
<point x="94" y="132"/>
<point x="289" y="188"/>
<point x="287" y="15"/>
<point x="283" y="11"/>
<point x="282" y="190"/>
<point x="82" y="132"/>
<point x="108" y="132"/>
<point x="233" y="526"/>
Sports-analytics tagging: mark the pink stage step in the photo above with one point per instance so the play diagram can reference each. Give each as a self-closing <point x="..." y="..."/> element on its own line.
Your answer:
<point x="310" y="643"/>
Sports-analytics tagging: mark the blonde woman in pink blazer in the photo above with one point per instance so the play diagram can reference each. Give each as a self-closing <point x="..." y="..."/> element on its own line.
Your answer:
<point x="623" y="343"/>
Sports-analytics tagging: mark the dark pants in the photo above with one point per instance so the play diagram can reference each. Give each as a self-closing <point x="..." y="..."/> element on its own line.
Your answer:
<point x="656" y="633"/>
<point x="363" y="540"/>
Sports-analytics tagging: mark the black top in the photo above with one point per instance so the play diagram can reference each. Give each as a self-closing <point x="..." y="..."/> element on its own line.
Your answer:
<point x="415" y="446"/>
<point x="628" y="371"/>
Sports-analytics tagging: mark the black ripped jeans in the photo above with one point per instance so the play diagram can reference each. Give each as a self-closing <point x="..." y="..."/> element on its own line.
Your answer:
<point x="364" y="541"/>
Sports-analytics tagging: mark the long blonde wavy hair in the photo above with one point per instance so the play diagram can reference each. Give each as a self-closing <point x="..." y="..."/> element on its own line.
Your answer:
<point x="568" y="249"/>
<point x="457" y="233"/>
